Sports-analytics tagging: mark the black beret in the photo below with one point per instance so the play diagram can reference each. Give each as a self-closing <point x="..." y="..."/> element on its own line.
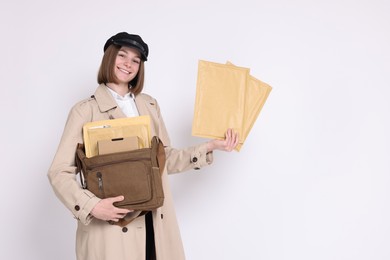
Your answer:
<point x="129" y="40"/>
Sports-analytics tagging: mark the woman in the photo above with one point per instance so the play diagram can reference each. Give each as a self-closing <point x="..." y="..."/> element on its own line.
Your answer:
<point x="155" y="235"/>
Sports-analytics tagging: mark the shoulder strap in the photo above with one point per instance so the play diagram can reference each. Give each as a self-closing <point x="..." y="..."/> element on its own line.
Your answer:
<point x="80" y="155"/>
<point x="158" y="154"/>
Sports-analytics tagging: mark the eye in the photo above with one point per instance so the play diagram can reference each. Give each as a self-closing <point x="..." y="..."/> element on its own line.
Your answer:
<point x="121" y="53"/>
<point x="137" y="61"/>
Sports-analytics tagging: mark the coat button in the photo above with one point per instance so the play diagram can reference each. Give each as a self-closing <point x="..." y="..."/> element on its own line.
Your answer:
<point x="124" y="229"/>
<point x="77" y="207"/>
<point x="194" y="160"/>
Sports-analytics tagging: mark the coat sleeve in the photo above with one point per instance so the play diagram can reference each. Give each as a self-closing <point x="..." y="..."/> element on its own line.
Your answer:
<point x="195" y="157"/>
<point x="62" y="172"/>
<point x="179" y="160"/>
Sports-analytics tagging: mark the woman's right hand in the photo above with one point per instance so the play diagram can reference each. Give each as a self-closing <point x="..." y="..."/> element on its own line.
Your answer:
<point x="105" y="210"/>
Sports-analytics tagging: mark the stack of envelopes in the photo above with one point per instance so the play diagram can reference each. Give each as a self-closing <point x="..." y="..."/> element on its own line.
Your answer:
<point x="227" y="96"/>
<point x="97" y="133"/>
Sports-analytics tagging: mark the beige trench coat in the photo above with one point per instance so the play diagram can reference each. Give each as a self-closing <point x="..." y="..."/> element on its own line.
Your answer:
<point x="96" y="239"/>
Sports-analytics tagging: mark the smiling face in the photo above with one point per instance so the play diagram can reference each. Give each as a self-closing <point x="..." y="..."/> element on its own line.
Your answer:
<point x="127" y="64"/>
<point x="122" y="67"/>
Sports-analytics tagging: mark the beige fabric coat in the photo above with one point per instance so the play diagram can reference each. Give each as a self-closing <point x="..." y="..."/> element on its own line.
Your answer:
<point x="96" y="239"/>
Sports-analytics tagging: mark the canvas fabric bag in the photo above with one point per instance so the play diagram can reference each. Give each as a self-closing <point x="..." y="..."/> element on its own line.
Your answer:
<point x="134" y="174"/>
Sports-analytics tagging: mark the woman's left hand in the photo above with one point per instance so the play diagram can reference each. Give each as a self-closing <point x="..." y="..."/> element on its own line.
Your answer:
<point x="228" y="144"/>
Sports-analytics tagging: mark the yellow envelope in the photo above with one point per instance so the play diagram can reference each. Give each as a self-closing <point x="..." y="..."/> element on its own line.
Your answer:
<point x="243" y="98"/>
<point x="220" y="100"/>
<point x="93" y="132"/>
<point x="256" y="95"/>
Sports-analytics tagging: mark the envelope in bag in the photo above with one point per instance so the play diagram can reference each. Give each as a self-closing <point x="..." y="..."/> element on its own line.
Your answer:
<point x="93" y="132"/>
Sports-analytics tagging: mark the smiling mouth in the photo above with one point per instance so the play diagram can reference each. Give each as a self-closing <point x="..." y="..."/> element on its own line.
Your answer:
<point x="124" y="71"/>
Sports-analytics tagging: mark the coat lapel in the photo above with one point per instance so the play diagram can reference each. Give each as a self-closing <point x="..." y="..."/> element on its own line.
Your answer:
<point x="144" y="108"/>
<point x="141" y="105"/>
<point x="107" y="103"/>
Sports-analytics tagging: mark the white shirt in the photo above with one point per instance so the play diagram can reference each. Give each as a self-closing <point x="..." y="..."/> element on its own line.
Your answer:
<point x="126" y="103"/>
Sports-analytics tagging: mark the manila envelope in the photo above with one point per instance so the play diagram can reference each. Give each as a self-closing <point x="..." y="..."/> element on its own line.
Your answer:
<point x="227" y="96"/>
<point x="256" y="95"/>
<point x="93" y="132"/>
<point x="117" y="145"/>
<point x="220" y="100"/>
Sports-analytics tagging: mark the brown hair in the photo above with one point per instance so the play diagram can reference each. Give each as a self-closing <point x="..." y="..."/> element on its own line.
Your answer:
<point x="106" y="71"/>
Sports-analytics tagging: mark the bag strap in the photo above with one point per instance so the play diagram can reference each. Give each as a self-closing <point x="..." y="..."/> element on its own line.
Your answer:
<point x="80" y="155"/>
<point x="158" y="154"/>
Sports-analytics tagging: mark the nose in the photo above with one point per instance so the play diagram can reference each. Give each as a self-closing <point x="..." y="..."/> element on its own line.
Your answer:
<point x="127" y="63"/>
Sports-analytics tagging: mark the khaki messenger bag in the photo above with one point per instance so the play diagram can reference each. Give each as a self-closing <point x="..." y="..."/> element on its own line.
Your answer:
<point x="134" y="174"/>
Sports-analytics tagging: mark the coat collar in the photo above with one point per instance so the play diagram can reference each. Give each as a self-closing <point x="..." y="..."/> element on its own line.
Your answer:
<point x="106" y="103"/>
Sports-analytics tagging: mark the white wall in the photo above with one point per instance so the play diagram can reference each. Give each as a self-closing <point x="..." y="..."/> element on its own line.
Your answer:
<point x="312" y="180"/>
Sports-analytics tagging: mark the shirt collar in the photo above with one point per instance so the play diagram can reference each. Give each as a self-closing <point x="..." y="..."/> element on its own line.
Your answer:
<point x="116" y="96"/>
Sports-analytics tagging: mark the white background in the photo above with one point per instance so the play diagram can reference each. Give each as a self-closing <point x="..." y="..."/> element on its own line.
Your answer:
<point x="312" y="180"/>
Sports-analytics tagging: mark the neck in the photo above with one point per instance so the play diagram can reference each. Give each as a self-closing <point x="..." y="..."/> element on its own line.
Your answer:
<point x="118" y="88"/>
